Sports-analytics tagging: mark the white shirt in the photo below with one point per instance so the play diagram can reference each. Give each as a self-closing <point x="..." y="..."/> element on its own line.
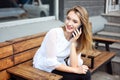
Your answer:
<point x="54" y="49"/>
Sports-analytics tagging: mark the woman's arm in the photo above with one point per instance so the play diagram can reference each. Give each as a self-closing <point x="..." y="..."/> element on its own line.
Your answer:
<point x="79" y="70"/>
<point x="70" y="69"/>
<point x="73" y="68"/>
<point x="73" y="55"/>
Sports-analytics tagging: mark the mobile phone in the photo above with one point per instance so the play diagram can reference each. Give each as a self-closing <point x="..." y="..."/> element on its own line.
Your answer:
<point x="80" y="27"/>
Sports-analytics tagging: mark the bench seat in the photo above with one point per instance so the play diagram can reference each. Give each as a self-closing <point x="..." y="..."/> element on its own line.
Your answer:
<point x="102" y="59"/>
<point x="27" y="72"/>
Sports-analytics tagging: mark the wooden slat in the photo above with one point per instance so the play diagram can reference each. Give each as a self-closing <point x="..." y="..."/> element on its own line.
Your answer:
<point x="27" y="44"/>
<point x="87" y="61"/>
<point x="93" y="53"/>
<point x="24" y="56"/>
<point x="25" y="74"/>
<point x="28" y="72"/>
<point x="96" y="38"/>
<point x="102" y="59"/>
<point x="6" y="63"/>
<point x="2" y="44"/>
<point x="6" y="51"/>
<point x="29" y="62"/>
<point x="4" y="75"/>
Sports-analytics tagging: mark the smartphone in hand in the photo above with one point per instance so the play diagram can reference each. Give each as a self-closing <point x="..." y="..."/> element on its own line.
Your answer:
<point x="80" y="27"/>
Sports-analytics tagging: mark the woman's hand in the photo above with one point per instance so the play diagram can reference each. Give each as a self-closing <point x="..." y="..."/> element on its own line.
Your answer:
<point x="81" y="69"/>
<point x="76" y="34"/>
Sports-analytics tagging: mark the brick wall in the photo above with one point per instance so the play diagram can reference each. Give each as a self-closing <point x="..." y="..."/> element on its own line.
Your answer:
<point x="94" y="7"/>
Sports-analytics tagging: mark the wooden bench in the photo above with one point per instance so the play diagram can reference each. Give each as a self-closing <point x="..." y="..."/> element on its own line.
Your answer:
<point x="22" y="69"/>
<point x="19" y="53"/>
<point x="106" y="41"/>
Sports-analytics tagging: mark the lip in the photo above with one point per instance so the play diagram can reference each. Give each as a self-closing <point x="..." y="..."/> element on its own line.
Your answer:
<point x="69" y="28"/>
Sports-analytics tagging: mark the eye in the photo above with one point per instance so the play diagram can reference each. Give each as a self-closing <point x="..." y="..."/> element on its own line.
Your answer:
<point x="68" y="18"/>
<point x="75" y="21"/>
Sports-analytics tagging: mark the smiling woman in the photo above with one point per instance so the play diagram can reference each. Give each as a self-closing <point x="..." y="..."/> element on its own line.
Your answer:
<point x="54" y="57"/>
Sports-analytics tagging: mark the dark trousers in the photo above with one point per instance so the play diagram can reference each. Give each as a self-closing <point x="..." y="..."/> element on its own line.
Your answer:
<point x="73" y="76"/>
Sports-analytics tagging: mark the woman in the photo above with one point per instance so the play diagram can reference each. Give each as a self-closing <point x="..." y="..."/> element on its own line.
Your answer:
<point x="70" y="40"/>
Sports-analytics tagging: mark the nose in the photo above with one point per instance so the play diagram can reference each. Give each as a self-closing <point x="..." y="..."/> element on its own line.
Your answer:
<point x="69" y="22"/>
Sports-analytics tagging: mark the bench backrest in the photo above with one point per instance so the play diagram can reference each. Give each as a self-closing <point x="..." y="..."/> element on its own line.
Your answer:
<point x="25" y="48"/>
<point x="18" y="51"/>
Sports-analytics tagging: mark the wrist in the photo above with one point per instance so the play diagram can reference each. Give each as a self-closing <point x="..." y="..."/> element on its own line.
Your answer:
<point x="73" y="70"/>
<point x="73" y="44"/>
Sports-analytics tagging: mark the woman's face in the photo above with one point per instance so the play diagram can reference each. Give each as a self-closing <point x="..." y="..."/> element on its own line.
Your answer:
<point x="72" y="22"/>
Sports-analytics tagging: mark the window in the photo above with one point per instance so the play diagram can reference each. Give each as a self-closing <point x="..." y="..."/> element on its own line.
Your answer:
<point x="112" y="5"/>
<point x="115" y="2"/>
<point x="39" y="8"/>
<point x="14" y="10"/>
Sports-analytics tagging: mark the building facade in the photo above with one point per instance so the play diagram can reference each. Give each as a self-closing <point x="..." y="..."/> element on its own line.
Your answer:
<point x="94" y="7"/>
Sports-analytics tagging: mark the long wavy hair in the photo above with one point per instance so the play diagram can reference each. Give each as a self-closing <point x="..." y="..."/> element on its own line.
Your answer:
<point x="84" y="42"/>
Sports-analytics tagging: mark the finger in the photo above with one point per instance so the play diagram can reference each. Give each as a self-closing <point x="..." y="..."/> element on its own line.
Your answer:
<point x="84" y="71"/>
<point x="85" y="67"/>
<point x="78" y="31"/>
<point x="73" y="34"/>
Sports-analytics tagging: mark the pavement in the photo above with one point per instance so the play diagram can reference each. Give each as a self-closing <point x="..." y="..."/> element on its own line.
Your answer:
<point x="100" y="75"/>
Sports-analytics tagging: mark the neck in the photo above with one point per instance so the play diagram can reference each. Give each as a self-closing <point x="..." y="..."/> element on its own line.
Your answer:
<point x="67" y="35"/>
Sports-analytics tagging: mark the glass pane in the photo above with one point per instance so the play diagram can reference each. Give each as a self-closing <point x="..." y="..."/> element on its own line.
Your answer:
<point x="51" y="6"/>
<point x="22" y="9"/>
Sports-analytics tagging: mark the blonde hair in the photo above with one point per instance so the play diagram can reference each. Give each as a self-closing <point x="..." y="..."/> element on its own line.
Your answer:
<point x="84" y="42"/>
